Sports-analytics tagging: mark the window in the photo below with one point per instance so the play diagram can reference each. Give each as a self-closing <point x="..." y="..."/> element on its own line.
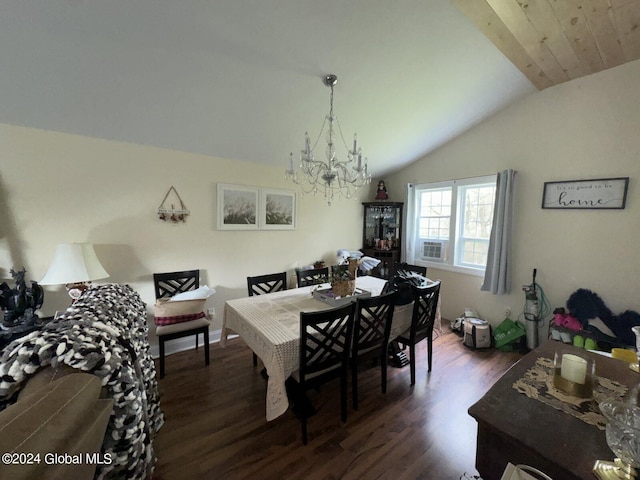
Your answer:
<point x="452" y="223"/>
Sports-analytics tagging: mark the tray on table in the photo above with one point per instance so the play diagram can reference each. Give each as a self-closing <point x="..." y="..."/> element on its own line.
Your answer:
<point x="327" y="296"/>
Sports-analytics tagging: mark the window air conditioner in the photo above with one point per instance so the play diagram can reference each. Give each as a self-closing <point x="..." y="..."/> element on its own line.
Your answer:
<point x="434" y="249"/>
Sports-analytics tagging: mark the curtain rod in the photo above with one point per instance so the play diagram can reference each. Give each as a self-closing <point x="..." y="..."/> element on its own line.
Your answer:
<point x="453" y="180"/>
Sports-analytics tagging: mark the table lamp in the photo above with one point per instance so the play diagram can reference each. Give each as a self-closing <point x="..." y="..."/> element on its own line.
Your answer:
<point x="75" y="265"/>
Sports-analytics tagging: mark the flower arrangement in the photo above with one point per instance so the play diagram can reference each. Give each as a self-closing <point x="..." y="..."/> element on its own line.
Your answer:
<point x="343" y="278"/>
<point x="341" y="272"/>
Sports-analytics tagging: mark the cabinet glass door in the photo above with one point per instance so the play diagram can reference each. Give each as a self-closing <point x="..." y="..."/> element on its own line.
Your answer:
<point x="382" y="227"/>
<point x="382" y="235"/>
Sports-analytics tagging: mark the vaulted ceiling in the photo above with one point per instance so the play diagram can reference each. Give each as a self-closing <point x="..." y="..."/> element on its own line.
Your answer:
<point x="554" y="41"/>
<point x="242" y="79"/>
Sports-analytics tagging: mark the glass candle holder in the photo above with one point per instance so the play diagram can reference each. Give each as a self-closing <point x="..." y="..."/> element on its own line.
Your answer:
<point x="623" y="438"/>
<point x="574" y="373"/>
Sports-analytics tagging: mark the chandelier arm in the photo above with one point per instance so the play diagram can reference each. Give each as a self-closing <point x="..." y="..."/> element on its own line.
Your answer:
<point x="310" y="171"/>
<point x="313" y="173"/>
<point x="355" y="178"/>
<point x="341" y="176"/>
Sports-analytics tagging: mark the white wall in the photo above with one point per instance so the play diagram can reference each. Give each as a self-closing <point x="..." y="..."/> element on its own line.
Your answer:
<point x="62" y="188"/>
<point x="584" y="129"/>
<point x="57" y="187"/>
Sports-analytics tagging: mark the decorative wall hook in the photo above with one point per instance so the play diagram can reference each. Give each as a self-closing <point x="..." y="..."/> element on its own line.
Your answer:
<point x="174" y="215"/>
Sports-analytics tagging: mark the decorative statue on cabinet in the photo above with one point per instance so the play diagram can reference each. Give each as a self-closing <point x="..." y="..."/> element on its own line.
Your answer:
<point x="381" y="194"/>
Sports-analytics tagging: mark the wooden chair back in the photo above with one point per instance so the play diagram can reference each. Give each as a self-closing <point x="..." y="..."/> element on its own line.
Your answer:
<point x="424" y="311"/>
<point x="371" y="331"/>
<point x="313" y="276"/>
<point x="373" y="323"/>
<point x="325" y="344"/>
<point x="261" y="284"/>
<point x="406" y="268"/>
<point x="168" y="284"/>
<point x="325" y="340"/>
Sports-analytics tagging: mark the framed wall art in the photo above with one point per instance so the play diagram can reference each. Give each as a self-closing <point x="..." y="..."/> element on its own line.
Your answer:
<point x="277" y="209"/>
<point x="601" y="193"/>
<point x="238" y="207"/>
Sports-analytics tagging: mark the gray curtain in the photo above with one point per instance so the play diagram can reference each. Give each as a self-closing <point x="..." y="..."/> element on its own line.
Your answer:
<point x="497" y="275"/>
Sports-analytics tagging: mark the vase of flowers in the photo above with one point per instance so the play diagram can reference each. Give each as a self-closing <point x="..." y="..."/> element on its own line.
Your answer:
<point x="343" y="278"/>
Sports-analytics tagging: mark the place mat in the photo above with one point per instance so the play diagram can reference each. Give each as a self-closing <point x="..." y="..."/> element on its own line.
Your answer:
<point x="537" y="383"/>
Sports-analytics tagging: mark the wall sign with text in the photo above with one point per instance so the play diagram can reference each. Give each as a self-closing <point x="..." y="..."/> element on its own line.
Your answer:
<point x="600" y="193"/>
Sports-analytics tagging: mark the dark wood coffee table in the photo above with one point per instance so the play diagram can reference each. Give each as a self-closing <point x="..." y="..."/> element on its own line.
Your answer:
<point x="517" y="429"/>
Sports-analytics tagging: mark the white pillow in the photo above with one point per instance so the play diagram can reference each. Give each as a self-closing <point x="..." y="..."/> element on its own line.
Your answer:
<point x="197" y="294"/>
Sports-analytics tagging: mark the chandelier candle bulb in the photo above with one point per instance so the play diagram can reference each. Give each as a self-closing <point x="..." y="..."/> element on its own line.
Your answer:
<point x="574" y="368"/>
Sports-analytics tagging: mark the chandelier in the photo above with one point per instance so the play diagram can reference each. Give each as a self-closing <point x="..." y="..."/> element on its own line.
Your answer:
<point x="333" y="176"/>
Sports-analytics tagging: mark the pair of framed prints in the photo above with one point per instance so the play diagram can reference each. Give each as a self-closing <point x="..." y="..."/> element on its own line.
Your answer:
<point x="253" y="208"/>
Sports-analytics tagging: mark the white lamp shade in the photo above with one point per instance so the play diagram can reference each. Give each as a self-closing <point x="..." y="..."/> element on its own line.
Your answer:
<point x="73" y="263"/>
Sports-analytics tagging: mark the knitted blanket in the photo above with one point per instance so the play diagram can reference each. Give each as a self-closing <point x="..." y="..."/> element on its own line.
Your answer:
<point x="104" y="333"/>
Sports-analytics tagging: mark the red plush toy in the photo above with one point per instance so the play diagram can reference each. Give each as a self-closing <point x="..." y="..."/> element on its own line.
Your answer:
<point x="567" y="321"/>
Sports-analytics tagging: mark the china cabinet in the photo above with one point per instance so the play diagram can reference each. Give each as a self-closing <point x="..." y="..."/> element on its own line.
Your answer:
<point x="382" y="235"/>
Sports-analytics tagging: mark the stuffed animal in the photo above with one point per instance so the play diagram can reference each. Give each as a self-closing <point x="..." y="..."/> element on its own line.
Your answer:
<point x="587" y="306"/>
<point x="561" y="319"/>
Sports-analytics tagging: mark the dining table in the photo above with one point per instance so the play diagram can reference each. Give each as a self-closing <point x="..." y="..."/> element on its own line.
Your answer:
<point x="270" y="325"/>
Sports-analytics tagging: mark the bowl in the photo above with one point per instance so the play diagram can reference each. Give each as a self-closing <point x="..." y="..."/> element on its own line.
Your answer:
<point x="623" y="430"/>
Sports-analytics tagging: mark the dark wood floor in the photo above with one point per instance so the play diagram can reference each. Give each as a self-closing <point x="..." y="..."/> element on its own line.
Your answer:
<point x="216" y="429"/>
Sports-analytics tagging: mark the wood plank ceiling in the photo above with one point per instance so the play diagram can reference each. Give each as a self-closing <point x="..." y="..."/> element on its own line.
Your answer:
<point x="554" y="41"/>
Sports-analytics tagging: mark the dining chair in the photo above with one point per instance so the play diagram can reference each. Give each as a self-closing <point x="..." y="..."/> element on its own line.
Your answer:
<point x="325" y="341"/>
<point x="425" y="305"/>
<point x="313" y="276"/>
<point x="405" y="268"/>
<point x="261" y="284"/>
<point x="167" y="285"/>
<point x="371" y="331"/>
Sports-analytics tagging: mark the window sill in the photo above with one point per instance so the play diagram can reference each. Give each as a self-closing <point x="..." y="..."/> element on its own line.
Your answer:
<point x="451" y="268"/>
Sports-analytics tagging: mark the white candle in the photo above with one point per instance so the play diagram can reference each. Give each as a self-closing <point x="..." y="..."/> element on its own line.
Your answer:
<point x="355" y="140"/>
<point x="574" y="368"/>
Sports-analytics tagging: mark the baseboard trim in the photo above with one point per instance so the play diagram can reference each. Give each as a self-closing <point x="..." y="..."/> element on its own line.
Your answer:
<point x="184" y="343"/>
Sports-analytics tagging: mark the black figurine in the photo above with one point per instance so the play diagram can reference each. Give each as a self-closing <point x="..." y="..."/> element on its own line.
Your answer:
<point x="20" y="303"/>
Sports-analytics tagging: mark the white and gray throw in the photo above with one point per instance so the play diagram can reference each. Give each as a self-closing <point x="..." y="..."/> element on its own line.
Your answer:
<point x="104" y="333"/>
